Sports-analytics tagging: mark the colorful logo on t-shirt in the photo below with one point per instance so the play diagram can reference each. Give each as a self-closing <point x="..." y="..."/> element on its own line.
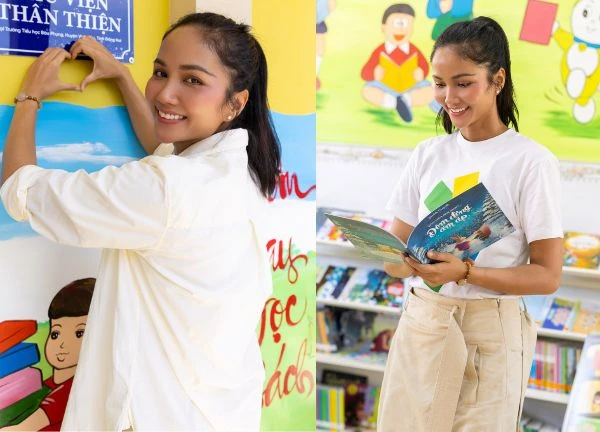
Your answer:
<point x="441" y="194"/>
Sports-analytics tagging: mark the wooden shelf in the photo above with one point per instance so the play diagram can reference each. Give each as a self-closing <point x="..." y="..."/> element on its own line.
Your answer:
<point x="361" y="306"/>
<point x="341" y="361"/>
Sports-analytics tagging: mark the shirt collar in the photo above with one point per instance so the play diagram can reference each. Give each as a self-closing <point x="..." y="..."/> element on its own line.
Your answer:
<point x="389" y="47"/>
<point x="233" y="139"/>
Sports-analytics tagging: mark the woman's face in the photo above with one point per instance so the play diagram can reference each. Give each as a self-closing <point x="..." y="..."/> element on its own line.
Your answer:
<point x="187" y="89"/>
<point x="464" y="91"/>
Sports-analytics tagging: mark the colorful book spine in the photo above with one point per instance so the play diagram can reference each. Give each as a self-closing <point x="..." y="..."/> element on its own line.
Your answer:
<point x="553" y="367"/>
<point x="19" y="385"/>
<point x="14" y="332"/>
<point x="18" y="357"/>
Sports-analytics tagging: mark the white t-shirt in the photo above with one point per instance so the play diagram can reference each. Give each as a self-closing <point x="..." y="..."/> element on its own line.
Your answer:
<point x="521" y="175"/>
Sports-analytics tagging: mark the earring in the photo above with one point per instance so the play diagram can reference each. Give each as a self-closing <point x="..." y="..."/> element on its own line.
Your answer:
<point x="229" y="117"/>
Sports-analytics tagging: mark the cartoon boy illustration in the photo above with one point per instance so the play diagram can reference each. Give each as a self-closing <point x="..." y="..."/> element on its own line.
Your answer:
<point x="580" y="65"/>
<point x="324" y="8"/>
<point x="395" y="72"/>
<point x="448" y="12"/>
<point x="68" y="316"/>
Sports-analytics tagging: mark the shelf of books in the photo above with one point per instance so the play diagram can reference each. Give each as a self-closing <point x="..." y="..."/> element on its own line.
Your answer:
<point x="358" y="307"/>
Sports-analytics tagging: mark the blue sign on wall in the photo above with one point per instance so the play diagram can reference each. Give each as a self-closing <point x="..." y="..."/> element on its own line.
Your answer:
<point x="28" y="27"/>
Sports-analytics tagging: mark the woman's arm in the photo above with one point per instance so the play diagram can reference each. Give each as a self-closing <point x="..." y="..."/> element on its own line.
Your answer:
<point x="540" y="276"/>
<point x="402" y="230"/>
<point x="40" y="81"/>
<point x="107" y="67"/>
<point x="35" y="422"/>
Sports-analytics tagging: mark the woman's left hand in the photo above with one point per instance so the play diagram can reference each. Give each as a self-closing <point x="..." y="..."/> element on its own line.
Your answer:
<point x="41" y="79"/>
<point x="448" y="269"/>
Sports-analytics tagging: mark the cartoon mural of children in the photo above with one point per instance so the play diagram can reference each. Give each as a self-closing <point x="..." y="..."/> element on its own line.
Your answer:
<point x="448" y="12"/>
<point x="580" y="65"/>
<point x="324" y="8"/>
<point x="68" y="317"/>
<point x="396" y="70"/>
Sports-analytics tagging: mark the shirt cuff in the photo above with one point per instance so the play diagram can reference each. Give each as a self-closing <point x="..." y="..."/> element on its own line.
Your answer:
<point x="15" y="188"/>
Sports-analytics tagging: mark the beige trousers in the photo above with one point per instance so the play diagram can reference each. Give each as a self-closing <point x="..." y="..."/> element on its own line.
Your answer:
<point x="457" y="365"/>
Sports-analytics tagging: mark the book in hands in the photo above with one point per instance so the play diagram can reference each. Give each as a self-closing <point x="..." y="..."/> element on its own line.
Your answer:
<point x="463" y="226"/>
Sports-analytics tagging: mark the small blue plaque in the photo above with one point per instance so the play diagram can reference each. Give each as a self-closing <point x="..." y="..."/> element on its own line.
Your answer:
<point x="28" y="27"/>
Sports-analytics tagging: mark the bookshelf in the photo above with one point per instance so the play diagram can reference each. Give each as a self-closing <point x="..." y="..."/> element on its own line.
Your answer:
<point x="571" y="276"/>
<point x="345" y="253"/>
<point x="333" y="360"/>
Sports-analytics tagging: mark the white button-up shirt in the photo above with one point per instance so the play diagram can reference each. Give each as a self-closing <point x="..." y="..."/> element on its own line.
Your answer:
<point x="171" y="341"/>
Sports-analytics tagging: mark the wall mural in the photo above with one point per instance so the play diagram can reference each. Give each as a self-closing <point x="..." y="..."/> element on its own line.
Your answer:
<point x="374" y="80"/>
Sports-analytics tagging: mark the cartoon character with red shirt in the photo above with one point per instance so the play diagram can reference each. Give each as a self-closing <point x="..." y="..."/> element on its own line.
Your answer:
<point x="396" y="71"/>
<point x="68" y="317"/>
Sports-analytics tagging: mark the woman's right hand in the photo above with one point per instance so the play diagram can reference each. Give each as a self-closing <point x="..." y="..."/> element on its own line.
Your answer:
<point x="106" y="66"/>
<point x="41" y="79"/>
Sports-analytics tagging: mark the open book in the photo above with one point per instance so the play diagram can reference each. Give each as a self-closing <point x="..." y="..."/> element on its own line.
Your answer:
<point x="463" y="226"/>
<point x="399" y="77"/>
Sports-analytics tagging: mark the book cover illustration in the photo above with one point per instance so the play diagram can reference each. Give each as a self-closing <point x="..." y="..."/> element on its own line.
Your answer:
<point x="581" y="250"/>
<point x="587" y="319"/>
<point x="463" y="226"/>
<point x="375" y="287"/>
<point x="399" y="77"/>
<point x="583" y="410"/>
<point x="333" y="282"/>
<point x="329" y="231"/>
<point x="561" y="314"/>
<point x="538" y="306"/>
<point x="328" y="337"/>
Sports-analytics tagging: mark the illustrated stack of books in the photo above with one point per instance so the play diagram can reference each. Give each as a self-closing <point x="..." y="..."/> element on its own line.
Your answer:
<point x="529" y="424"/>
<point x="557" y="313"/>
<point x="581" y="250"/>
<point x="360" y="285"/>
<point x="20" y="384"/>
<point x="346" y="400"/>
<point x="554" y="366"/>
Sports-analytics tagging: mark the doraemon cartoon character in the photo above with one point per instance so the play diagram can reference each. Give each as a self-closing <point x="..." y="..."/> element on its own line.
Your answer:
<point x="580" y="69"/>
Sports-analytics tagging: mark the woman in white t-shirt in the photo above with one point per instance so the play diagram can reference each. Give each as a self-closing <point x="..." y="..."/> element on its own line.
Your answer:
<point x="170" y="342"/>
<point x="461" y="357"/>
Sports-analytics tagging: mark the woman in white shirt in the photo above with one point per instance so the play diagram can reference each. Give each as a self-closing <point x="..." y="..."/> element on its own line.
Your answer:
<point x="170" y="342"/>
<point x="462" y="353"/>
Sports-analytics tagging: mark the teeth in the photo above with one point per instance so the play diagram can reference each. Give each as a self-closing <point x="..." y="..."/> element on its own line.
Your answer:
<point x="170" y="116"/>
<point x="457" y="110"/>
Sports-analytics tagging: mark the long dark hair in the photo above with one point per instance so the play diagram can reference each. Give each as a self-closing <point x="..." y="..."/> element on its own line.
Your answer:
<point x="242" y="55"/>
<point x="483" y="42"/>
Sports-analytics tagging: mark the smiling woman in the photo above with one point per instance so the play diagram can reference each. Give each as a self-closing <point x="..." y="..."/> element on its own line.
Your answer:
<point x="464" y="318"/>
<point x="172" y="226"/>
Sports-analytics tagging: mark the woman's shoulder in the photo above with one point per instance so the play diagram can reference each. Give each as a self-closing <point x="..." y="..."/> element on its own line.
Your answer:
<point x="531" y="150"/>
